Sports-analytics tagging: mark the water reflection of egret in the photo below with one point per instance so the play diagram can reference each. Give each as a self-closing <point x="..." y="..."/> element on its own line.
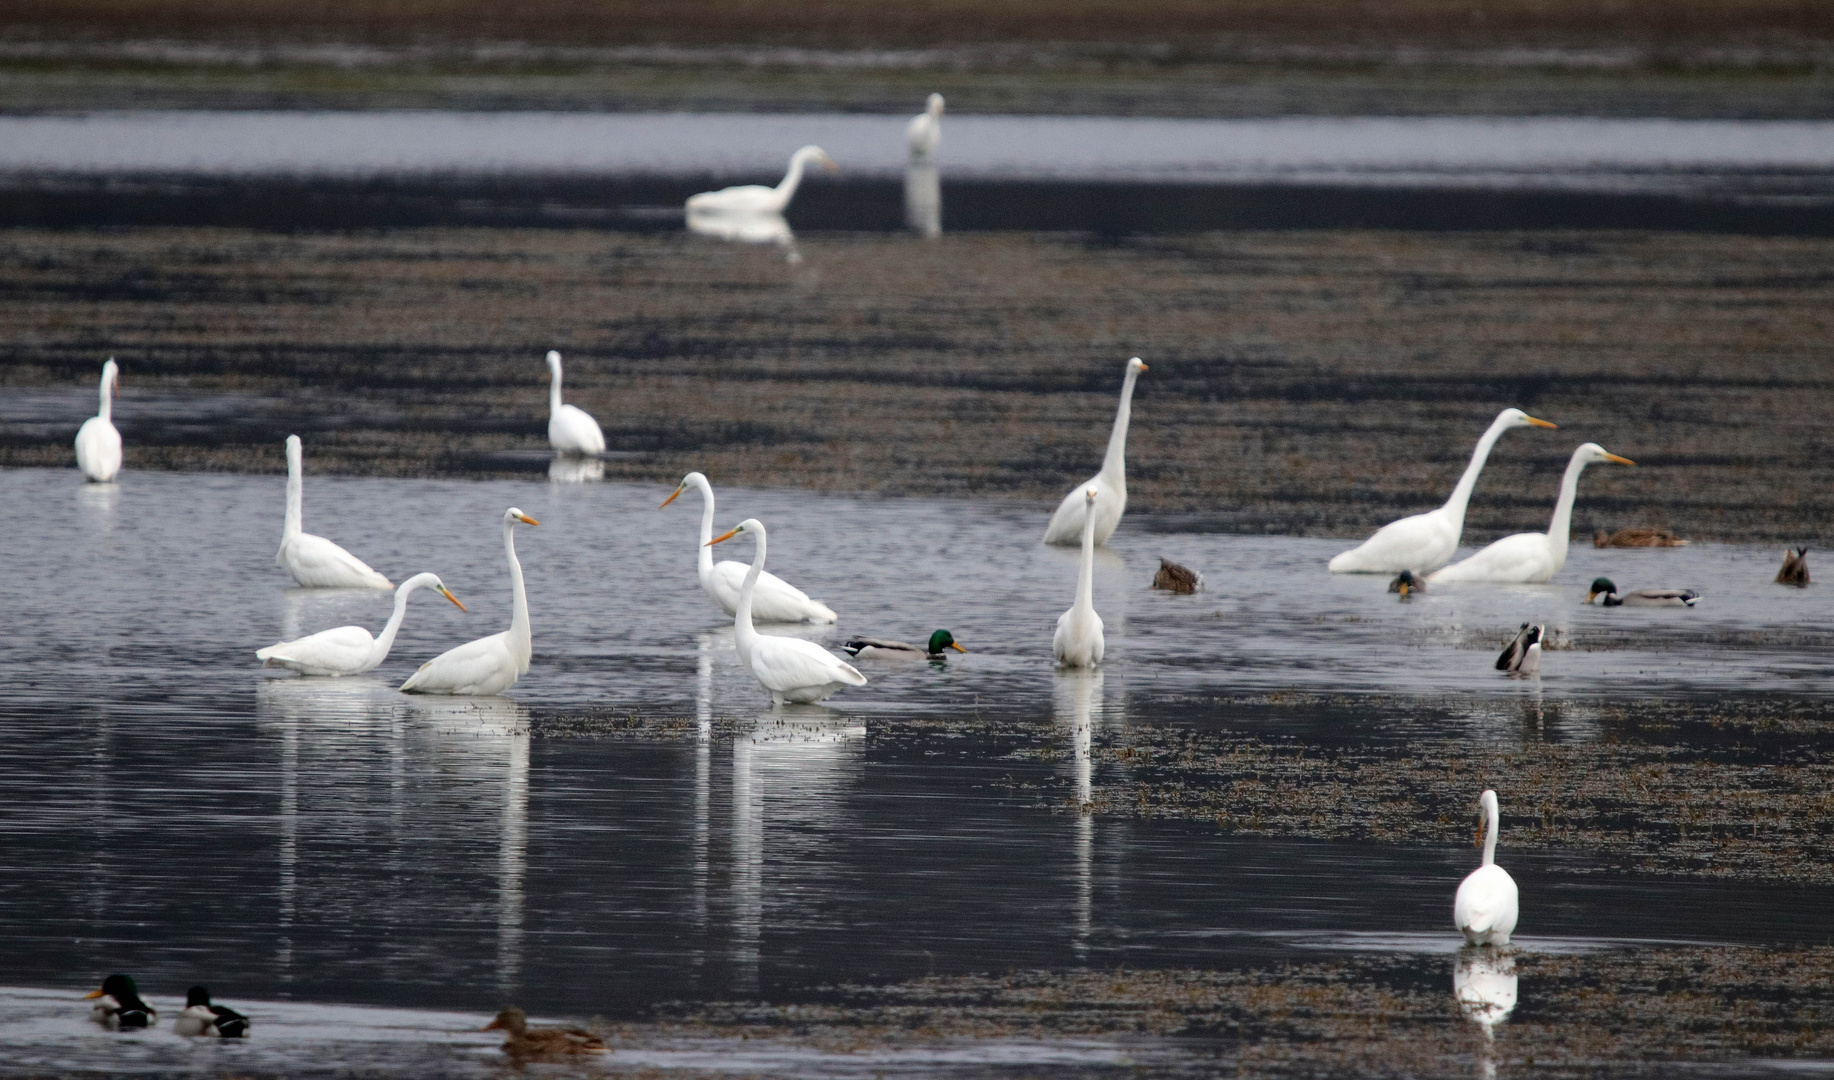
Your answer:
<point x="923" y="198"/>
<point x="761" y="228"/>
<point x="512" y="863"/>
<point x="567" y="469"/>
<point x="1484" y="985"/>
<point x="101" y="502"/>
<point x="1076" y="700"/>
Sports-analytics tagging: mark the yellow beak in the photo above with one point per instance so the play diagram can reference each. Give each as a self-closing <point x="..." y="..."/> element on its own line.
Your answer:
<point x="729" y="534"/>
<point x="1404" y="587"/>
<point x="92" y="994"/>
<point x="527" y="520"/>
<point x="1540" y="423"/>
<point x="1590" y="595"/>
<point x="957" y="647"/>
<point x="1619" y="460"/>
<point x="671" y="498"/>
<point x="443" y="591"/>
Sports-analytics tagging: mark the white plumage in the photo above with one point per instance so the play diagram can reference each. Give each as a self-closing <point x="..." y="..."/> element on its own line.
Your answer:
<point x="1532" y="558"/>
<point x="349" y="650"/>
<point x="98" y="444"/>
<point x="757" y="199"/>
<point x="488" y="665"/>
<point x="793" y="670"/>
<point x="924" y="134"/>
<point x="314" y="561"/>
<point x="1110" y="484"/>
<point x="773" y="599"/>
<point x="1486" y="907"/>
<point x="571" y="430"/>
<point x="1078" y="641"/>
<point x="1425" y="542"/>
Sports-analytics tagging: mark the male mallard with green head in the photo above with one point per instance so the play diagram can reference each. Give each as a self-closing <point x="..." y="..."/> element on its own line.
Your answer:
<point x="867" y="648"/>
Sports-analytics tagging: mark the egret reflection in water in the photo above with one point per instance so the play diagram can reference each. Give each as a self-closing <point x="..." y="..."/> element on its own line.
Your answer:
<point x="568" y="469"/>
<point x="923" y="197"/>
<point x="1484" y="984"/>
<point x="1076" y="704"/>
<point x="746" y="228"/>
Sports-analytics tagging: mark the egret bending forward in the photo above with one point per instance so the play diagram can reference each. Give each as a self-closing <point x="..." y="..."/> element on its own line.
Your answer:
<point x="488" y="665"/>
<point x="1110" y="484"/>
<point x="98" y="444"/>
<point x="773" y="600"/>
<point x="314" y="561"/>
<point x="1078" y="641"/>
<point x="752" y="199"/>
<point x="349" y="650"/>
<point x="1485" y="909"/>
<point x="924" y="134"/>
<point x="571" y="430"/>
<point x="792" y="669"/>
<point x="1425" y="542"/>
<point x="1532" y="558"/>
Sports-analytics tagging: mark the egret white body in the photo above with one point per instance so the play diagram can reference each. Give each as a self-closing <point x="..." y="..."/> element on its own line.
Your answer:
<point x="924" y="134"/>
<point x="773" y="599"/>
<point x="793" y="670"/>
<point x="1532" y="558"/>
<point x="752" y="200"/>
<point x="314" y="561"/>
<point x="98" y="444"/>
<point x="488" y="665"/>
<point x="1425" y="542"/>
<point x="571" y="430"/>
<point x="1078" y="642"/>
<point x="349" y="650"/>
<point x="1486" y="908"/>
<point x="1110" y="484"/>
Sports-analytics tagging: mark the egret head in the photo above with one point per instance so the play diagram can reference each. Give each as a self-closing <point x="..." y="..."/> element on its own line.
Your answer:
<point x="1089" y="496"/>
<point x="934" y="105"/>
<point x="553" y="362"/>
<point x="1518" y="418"/>
<point x="693" y="479"/>
<point x="749" y="525"/>
<point x="819" y="156"/>
<point x="1592" y="452"/>
<point x="111" y="374"/>
<point x="1137" y="365"/>
<point x="514" y="516"/>
<point x="1600" y="587"/>
<point x="941" y="640"/>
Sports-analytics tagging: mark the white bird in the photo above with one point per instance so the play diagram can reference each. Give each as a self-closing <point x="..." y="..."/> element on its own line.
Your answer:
<point x="349" y="650"/>
<point x="1532" y="558"/>
<point x="773" y="600"/>
<point x="1078" y="641"/>
<point x="1425" y="542"/>
<point x="488" y="665"/>
<point x="571" y="430"/>
<point x="98" y="444"/>
<point x="1486" y="908"/>
<point x="792" y="669"/>
<point x="314" y="561"/>
<point x="755" y="199"/>
<point x="925" y="131"/>
<point x="1110" y="484"/>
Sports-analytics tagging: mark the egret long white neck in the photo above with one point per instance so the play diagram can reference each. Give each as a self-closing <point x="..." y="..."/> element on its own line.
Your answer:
<point x="295" y="522"/>
<point x="519" y="599"/>
<point x="386" y="639"/>
<point x="706" y="527"/>
<point x="1490" y="827"/>
<point x="1562" y="525"/>
<point x="1085" y="577"/>
<point x="1461" y="495"/>
<point x="107" y="408"/>
<point x="743" y="631"/>
<point x="1114" y="463"/>
<point x="554" y="388"/>
<point x="786" y="190"/>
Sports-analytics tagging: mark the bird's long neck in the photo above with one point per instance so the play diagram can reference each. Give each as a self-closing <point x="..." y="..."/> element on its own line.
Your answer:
<point x="786" y="190"/>
<point x="1461" y="495"/>
<point x="1085" y="577"/>
<point x="706" y="531"/>
<point x="1114" y="463"/>
<point x="1490" y="827"/>
<point x="295" y="523"/>
<point x="107" y="408"/>
<point x="743" y="632"/>
<point x="1562" y="524"/>
<point x="386" y="639"/>
<point x="554" y="390"/>
<point x="519" y="599"/>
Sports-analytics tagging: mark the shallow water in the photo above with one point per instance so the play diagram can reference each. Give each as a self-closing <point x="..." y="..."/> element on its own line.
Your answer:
<point x="186" y="816"/>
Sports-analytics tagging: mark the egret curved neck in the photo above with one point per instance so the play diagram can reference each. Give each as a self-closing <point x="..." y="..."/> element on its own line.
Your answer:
<point x="705" y="566"/>
<point x="554" y="390"/>
<point x="1085" y="577"/>
<point x="1490" y="827"/>
<point x="1114" y="463"/>
<point x="295" y="496"/>
<point x="786" y="190"/>
<point x="742" y="629"/>
<point x="386" y="639"/>
<point x="107" y="408"/>
<point x="1461" y="495"/>
<point x="1562" y="525"/>
<point x="519" y="599"/>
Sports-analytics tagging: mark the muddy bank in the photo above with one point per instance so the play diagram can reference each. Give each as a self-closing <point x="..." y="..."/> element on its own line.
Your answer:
<point x="1308" y="382"/>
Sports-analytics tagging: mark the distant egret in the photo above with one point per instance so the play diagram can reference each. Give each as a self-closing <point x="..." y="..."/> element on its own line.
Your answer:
<point x="571" y="430"/>
<point x="98" y="444"/>
<point x="314" y="561"/>
<point x="925" y="131"/>
<point x="753" y="200"/>
<point x="1110" y="484"/>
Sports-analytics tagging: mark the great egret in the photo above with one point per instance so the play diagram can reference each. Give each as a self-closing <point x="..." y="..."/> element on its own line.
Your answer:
<point x="118" y="1006"/>
<point x="774" y="599"/>
<point x="1078" y="641"/>
<point x="527" y="1043"/>
<point x="98" y="444"/>
<point x="755" y="199"/>
<point x="1425" y="542"/>
<point x="488" y="665"/>
<point x="206" y="1018"/>
<point x="925" y="131"/>
<point x="1606" y="595"/>
<point x="349" y="650"/>
<point x="1110" y="484"/>
<point x="1485" y="909"/>
<point x="793" y="670"/>
<point x="314" y="561"/>
<point x="571" y="430"/>
<point x="1532" y="558"/>
<point x="866" y="648"/>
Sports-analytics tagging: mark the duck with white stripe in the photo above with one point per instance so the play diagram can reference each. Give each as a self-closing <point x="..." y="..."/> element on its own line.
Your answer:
<point x="1605" y="594"/>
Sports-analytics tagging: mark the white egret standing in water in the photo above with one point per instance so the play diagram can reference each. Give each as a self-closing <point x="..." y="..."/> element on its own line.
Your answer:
<point x="1485" y="909"/>
<point x="773" y="599"/>
<point x="98" y="444"/>
<point x="349" y="650"/>
<point x="1078" y="641"/>
<point x="571" y="430"/>
<point x="1532" y="558"/>
<point x="1110" y="484"/>
<point x="793" y="670"/>
<point x="314" y="561"/>
<point x="753" y="200"/>
<point x="488" y="665"/>
<point x="925" y="131"/>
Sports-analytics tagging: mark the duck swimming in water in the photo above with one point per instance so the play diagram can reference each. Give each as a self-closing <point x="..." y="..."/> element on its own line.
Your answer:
<point x="1406" y="584"/>
<point x="1605" y="594"/>
<point x="204" y="1018"/>
<point x="867" y="648"/>
<point x="118" y="1006"/>
<point x="1178" y="579"/>
<point x="526" y="1043"/>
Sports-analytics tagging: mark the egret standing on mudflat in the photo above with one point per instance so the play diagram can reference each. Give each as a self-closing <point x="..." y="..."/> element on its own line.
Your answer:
<point x="792" y="669"/>
<point x="1485" y="909"/>
<point x="757" y="199"/>
<point x="349" y="650"/>
<point x="488" y="665"/>
<point x="1425" y="542"/>
<point x="1532" y="558"/>
<point x="314" y="561"/>
<point x="1078" y="641"/>
<point x="571" y="430"/>
<point x="1110" y="484"/>
<point x="773" y="599"/>
<point x="925" y="131"/>
<point x="98" y="444"/>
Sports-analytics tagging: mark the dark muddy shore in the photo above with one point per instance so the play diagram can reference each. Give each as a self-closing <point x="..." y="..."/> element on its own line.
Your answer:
<point x="1301" y="382"/>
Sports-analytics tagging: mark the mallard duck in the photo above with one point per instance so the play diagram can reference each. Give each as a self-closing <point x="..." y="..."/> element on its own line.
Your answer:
<point x="867" y="648"/>
<point x="1637" y="538"/>
<point x="1523" y="655"/>
<point x="547" y="1042"/>
<point x="1606" y="595"/>
<point x="1406" y="584"/>
<point x="1177" y="579"/>
<point x="1795" y="567"/>
<point x="118" y="1006"/>
<point x="202" y="1017"/>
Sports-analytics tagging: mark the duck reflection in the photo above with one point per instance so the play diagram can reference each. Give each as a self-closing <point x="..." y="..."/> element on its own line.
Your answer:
<point x="1484" y="985"/>
<point x="1076" y="699"/>
<point x="746" y="228"/>
<point x="565" y="469"/>
<point x="923" y="197"/>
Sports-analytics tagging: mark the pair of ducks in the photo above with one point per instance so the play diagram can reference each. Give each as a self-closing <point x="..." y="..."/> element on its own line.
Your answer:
<point x="1603" y="593"/>
<point x="118" y="1007"/>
